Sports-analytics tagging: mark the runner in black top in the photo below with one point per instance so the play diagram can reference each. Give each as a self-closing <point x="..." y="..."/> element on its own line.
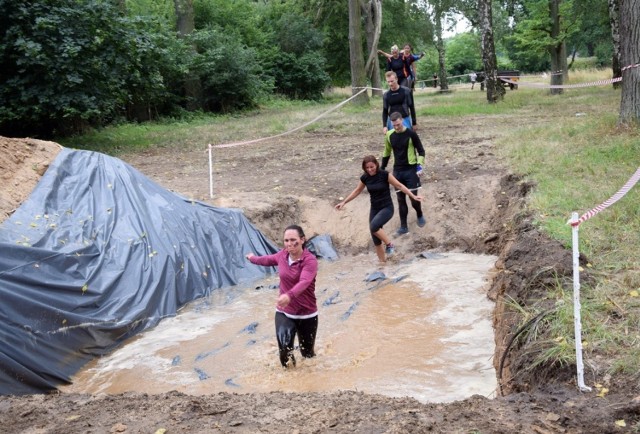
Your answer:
<point x="397" y="99"/>
<point x="377" y="183"/>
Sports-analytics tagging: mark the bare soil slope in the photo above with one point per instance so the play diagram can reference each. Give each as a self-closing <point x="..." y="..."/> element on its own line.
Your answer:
<point x="473" y="205"/>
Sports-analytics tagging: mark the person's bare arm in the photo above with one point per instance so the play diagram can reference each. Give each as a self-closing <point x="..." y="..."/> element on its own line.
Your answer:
<point x="397" y="184"/>
<point x="356" y="191"/>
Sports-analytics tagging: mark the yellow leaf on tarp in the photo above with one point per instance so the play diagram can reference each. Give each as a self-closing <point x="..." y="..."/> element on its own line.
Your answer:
<point x="621" y="423"/>
<point x="160" y="431"/>
<point x="603" y="392"/>
<point x="74" y="417"/>
<point x="580" y="269"/>
<point x="633" y="293"/>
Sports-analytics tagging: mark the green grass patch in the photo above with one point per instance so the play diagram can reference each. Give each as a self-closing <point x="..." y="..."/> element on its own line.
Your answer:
<point x="577" y="162"/>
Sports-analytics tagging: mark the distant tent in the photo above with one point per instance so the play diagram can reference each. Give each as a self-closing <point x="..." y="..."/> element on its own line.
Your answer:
<point x="99" y="253"/>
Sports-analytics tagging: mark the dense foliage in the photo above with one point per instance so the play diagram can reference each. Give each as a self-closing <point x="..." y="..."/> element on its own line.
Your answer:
<point x="68" y="63"/>
<point x="72" y="64"/>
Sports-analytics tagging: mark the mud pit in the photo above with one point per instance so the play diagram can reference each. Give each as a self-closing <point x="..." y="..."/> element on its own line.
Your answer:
<point x="424" y="332"/>
<point x="473" y="205"/>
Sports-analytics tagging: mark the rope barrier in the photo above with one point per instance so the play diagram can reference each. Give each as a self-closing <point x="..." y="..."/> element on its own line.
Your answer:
<point x="246" y="142"/>
<point x="562" y="86"/>
<point x="613" y="199"/>
<point x="575" y="224"/>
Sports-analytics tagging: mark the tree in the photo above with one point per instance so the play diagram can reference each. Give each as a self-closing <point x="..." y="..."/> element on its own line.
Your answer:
<point x="185" y="24"/>
<point x="495" y="89"/>
<point x="439" y="10"/>
<point x="463" y="53"/>
<point x="372" y="11"/>
<point x="557" y="48"/>
<point x="546" y="25"/>
<point x="614" y="19"/>
<point x="630" y="59"/>
<point x="356" y="57"/>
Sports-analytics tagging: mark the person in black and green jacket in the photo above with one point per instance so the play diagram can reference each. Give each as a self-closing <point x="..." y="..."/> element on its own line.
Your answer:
<point x="408" y="160"/>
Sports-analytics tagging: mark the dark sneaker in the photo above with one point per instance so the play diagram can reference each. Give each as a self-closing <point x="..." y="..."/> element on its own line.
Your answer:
<point x="402" y="230"/>
<point x="421" y="221"/>
<point x="390" y="249"/>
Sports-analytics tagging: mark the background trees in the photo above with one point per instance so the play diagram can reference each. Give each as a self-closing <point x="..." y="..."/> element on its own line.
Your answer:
<point x="69" y="65"/>
<point x="630" y="59"/>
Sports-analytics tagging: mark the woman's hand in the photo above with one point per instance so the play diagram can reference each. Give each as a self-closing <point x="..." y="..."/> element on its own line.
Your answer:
<point x="283" y="301"/>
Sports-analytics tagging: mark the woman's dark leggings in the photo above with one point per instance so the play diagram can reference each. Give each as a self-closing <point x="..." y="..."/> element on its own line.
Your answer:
<point x="286" y="329"/>
<point x="377" y="219"/>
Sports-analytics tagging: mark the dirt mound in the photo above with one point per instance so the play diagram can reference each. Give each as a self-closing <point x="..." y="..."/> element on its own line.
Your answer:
<point x="22" y="163"/>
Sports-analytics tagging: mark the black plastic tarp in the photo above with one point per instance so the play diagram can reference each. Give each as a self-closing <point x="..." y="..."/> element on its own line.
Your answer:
<point x="98" y="253"/>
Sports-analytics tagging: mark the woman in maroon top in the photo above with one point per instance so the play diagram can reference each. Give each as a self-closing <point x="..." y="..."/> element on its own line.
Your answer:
<point x="296" y="308"/>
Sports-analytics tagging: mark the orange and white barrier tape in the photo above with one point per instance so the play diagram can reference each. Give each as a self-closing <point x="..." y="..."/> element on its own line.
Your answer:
<point x="613" y="199"/>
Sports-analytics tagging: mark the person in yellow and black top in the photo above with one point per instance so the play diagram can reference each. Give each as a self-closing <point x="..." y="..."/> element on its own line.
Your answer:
<point x="408" y="159"/>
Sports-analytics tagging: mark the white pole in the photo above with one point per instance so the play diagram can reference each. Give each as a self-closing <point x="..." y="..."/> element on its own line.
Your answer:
<point x="577" y="322"/>
<point x="210" y="173"/>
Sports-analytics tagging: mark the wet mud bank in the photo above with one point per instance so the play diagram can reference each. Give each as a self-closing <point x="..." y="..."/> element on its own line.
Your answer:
<point x="529" y="264"/>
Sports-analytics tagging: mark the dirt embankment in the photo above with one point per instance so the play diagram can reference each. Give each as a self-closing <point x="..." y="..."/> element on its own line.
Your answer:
<point x="473" y="205"/>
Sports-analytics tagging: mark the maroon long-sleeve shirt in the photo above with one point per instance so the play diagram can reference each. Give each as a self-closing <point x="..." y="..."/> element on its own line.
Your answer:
<point x="297" y="280"/>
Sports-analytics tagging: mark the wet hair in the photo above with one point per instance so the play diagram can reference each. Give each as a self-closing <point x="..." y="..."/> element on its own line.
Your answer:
<point x="395" y="116"/>
<point x="370" y="159"/>
<point x="408" y="45"/>
<point x="390" y="74"/>
<point x="300" y="233"/>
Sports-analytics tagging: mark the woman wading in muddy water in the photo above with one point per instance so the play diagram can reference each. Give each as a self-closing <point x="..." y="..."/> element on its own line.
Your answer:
<point x="296" y="308"/>
<point x="377" y="182"/>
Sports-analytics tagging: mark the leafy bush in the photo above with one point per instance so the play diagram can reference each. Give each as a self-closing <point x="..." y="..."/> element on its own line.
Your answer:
<point x="299" y="67"/>
<point x="69" y="64"/>
<point x="229" y="72"/>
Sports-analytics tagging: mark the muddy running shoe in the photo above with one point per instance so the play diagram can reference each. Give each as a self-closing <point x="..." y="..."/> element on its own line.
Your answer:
<point x="421" y="221"/>
<point x="291" y="363"/>
<point x="402" y="230"/>
<point x="390" y="249"/>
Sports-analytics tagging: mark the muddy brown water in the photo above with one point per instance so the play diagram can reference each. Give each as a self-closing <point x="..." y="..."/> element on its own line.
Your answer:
<point x="424" y="332"/>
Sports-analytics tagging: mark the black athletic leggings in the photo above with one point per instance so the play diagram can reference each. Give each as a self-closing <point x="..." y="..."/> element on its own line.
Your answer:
<point x="286" y="329"/>
<point x="377" y="219"/>
<point x="410" y="179"/>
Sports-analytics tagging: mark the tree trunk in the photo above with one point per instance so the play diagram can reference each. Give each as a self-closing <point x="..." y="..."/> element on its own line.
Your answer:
<point x="557" y="50"/>
<point x="437" y="22"/>
<point x="495" y="89"/>
<point x="356" y="58"/>
<point x="373" y="18"/>
<point x="185" y="25"/>
<point x="614" y="20"/>
<point x="630" y="60"/>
